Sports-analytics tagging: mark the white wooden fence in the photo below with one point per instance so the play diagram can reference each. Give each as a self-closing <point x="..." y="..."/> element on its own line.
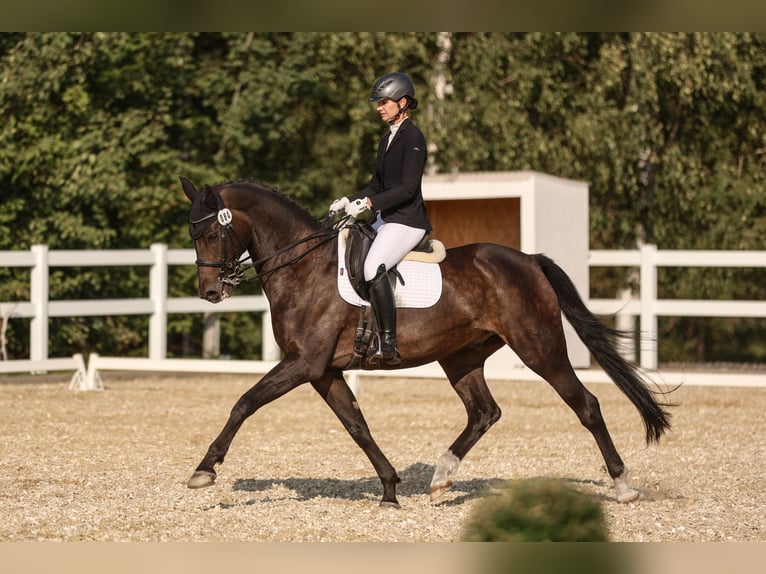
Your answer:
<point x="157" y="306"/>
<point x="648" y="259"/>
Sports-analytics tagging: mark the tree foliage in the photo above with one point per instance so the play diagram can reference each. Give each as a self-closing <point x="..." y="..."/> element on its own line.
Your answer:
<point x="669" y="131"/>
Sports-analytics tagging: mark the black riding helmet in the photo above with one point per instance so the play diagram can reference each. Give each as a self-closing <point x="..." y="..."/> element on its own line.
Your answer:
<point x="395" y="86"/>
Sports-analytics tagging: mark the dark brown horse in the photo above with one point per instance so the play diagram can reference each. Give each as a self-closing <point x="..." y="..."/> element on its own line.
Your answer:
<point x="492" y="296"/>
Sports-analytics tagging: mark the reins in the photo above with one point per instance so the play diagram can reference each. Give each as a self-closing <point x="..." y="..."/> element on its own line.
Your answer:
<point x="238" y="267"/>
<point x="327" y="235"/>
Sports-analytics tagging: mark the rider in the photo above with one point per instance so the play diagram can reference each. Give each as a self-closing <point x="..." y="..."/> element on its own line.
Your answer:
<point x="395" y="196"/>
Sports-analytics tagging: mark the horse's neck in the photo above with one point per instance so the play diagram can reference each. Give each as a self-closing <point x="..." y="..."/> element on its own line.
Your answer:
<point x="271" y="237"/>
<point x="275" y="221"/>
<point x="279" y="231"/>
<point x="288" y="278"/>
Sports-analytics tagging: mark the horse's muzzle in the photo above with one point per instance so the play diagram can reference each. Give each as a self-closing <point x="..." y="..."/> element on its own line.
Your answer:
<point x="217" y="294"/>
<point x="213" y="296"/>
<point x="214" y="290"/>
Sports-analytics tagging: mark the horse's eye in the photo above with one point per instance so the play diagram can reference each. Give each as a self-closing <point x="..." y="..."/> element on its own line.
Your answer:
<point x="212" y="237"/>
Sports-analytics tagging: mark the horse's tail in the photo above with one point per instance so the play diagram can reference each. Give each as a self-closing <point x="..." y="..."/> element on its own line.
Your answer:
<point x="596" y="335"/>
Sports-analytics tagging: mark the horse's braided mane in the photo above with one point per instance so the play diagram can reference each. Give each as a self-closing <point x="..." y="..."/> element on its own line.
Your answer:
<point x="247" y="182"/>
<point x="265" y="187"/>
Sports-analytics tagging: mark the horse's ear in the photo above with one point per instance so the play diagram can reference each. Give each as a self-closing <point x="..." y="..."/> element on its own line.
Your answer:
<point x="189" y="189"/>
<point x="210" y="199"/>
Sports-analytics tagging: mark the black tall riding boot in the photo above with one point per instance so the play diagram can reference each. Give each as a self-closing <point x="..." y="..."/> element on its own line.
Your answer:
<point x="384" y="308"/>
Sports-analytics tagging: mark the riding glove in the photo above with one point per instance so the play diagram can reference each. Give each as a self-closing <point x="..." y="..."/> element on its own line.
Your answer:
<point x="339" y="205"/>
<point x="357" y="207"/>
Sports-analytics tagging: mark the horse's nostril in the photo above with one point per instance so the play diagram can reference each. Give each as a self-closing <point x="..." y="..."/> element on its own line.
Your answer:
<point x="213" y="296"/>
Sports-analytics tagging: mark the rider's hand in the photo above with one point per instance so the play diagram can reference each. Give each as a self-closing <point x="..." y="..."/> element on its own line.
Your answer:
<point x="339" y="205"/>
<point x="357" y="207"/>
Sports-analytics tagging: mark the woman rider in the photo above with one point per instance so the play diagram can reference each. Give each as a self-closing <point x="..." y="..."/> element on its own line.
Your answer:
<point x="394" y="194"/>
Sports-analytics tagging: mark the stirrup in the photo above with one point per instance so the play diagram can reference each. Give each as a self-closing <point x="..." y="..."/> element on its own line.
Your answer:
<point x="386" y="353"/>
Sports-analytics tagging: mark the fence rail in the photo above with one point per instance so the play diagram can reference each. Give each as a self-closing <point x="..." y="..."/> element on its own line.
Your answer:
<point x="646" y="307"/>
<point x="157" y="305"/>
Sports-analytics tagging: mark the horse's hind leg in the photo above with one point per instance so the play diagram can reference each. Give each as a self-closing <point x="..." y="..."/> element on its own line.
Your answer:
<point x="466" y="374"/>
<point x="586" y="407"/>
<point x="335" y="391"/>
<point x="549" y="359"/>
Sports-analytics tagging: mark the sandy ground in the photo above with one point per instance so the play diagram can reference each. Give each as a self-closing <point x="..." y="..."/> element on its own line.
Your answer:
<point x="113" y="465"/>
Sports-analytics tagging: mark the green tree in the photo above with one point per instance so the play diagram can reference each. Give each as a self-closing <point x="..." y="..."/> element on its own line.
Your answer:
<point x="88" y="151"/>
<point x="667" y="129"/>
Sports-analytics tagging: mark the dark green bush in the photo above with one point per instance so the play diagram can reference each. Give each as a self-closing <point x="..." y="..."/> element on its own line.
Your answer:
<point x="537" y="510"/>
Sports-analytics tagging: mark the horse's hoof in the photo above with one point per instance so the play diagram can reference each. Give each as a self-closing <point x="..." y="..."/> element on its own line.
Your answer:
<point x="628" y="496"/>
<point x="201" y="479"/>
<point x="625" y="494"/>
<point x="439" y="490"/>
<point x="389" y="504"/>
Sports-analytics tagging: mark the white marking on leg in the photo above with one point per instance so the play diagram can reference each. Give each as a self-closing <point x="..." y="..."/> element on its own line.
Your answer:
<point x="447" y="465"/>
<point x="625" y="493"/>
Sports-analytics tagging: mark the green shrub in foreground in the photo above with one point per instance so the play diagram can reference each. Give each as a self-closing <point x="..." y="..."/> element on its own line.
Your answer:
<point x="537" y="510"/>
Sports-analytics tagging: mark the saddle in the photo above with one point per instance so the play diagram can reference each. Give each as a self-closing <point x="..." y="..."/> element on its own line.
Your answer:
<point x="359" y="238"/>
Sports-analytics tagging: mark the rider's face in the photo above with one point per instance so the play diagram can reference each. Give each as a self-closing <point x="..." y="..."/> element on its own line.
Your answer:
<point x="388" y="108"/>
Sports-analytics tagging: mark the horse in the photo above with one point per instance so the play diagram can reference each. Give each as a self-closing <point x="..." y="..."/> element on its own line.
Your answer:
<point x="492" y="295"/>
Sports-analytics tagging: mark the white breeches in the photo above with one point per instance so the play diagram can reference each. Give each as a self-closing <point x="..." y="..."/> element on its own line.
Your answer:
<point x="391" y="244"/>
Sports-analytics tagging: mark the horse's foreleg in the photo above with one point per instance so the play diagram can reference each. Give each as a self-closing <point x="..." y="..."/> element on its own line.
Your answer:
<point x="333" y="389"/>
<point x="284" y="377"/>
<point x="466" y="374"/>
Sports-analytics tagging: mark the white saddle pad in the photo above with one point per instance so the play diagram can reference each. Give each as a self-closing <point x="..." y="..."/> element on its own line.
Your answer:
<point x="422" y="282"/>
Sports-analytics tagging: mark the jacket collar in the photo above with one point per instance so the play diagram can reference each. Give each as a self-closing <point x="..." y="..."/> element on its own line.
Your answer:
<point x="395" y="131"/>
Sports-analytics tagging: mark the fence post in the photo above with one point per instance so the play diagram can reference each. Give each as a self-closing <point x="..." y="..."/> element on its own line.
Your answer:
<point x="158" y="293"/>
<point x="627" y="323"/>
<point x="648" y="336"/>
<point x="211" y="336"/>
<point x="269" y="348"/>
<point x="38" y="344"/>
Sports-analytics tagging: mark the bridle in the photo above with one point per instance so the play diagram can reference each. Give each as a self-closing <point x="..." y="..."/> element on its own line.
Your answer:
<point x="235" y="270"/>
<point x="231" y="271"/>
